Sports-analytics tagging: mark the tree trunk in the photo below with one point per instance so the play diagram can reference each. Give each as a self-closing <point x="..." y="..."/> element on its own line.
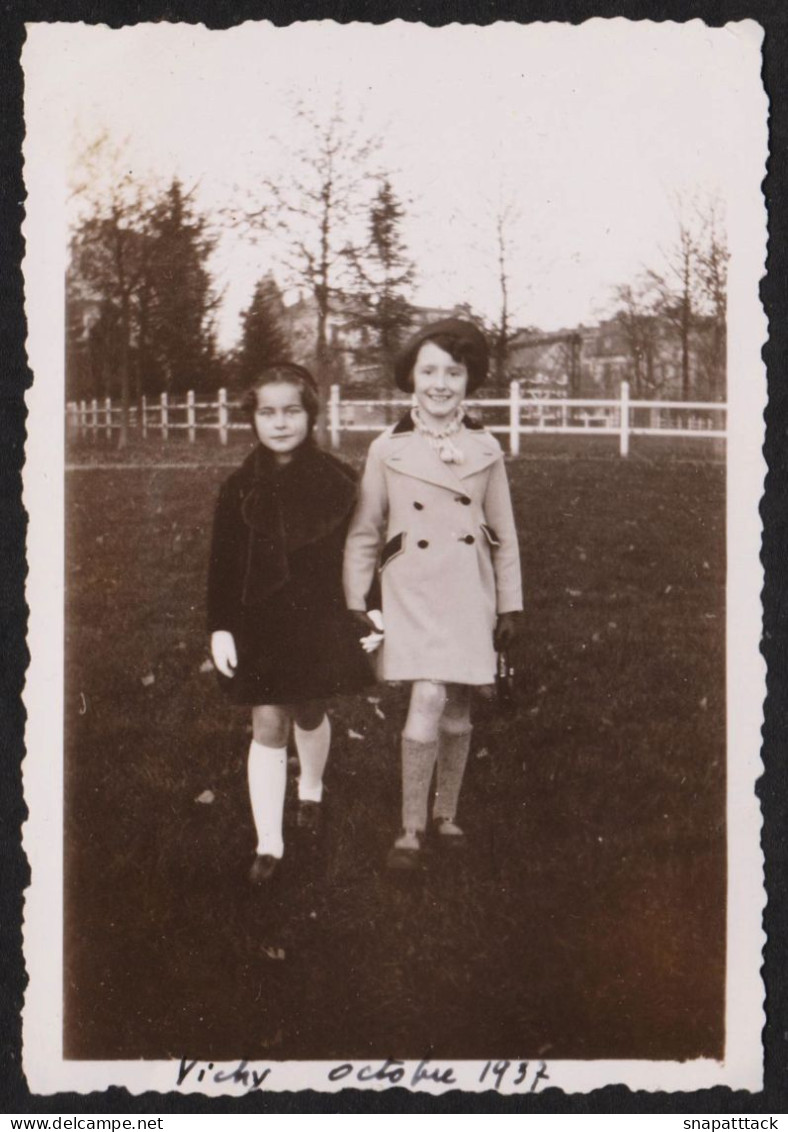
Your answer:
<point x="321" y="365"/>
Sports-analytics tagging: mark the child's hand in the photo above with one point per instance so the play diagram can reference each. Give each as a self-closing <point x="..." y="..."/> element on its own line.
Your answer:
<point x="372" y="623"/>
<point x="505" y="631"/>
<point x="364" y="622"/>
<point x="223" y="652"/>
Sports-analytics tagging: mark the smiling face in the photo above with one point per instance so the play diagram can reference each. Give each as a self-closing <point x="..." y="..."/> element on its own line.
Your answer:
<point x="439" y="383"/>
<point x="280" y="419"/>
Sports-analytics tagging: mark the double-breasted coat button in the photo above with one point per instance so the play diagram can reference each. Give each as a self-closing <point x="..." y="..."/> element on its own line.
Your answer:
<point x="469" y="539"/>
<point x="464" y="499"/>
<point x="418" y="506"/>
<point x="422" y="543"/>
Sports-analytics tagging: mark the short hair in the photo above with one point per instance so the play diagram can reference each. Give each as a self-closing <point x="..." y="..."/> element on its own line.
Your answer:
<point x="284" y="373"/>
<point x="463" y="340"/>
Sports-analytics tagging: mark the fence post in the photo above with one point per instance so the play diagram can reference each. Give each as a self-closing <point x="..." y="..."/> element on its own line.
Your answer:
<point x="333" y="416"/>
<point x="83" y="418"/>
<point x="624" y="422"/>
<point x="514" y="418"/>
<point x="144" y="417"/>
<point x="94" y="417"/>
<point x="165" y="420"/>
<point x="223" y="417"/>
<point x="191" y="416"/>
<point x="108" y="416"/>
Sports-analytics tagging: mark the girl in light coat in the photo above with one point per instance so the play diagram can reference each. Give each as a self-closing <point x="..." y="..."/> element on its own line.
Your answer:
<point x="435" y="519"/>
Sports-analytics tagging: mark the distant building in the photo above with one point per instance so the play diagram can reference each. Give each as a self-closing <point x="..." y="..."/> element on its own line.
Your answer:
<point x="349" y="344"/>
<point x="575" y="362"/>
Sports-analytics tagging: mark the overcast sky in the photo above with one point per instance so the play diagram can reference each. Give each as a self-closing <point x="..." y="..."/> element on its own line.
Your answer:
<point x="593" y="129"/>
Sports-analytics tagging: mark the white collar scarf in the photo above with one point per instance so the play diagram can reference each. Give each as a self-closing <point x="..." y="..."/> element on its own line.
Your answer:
<point x="440" y="441"/>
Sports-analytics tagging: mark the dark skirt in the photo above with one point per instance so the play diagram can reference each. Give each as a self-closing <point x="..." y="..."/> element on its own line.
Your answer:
<point x="288" y="654"/>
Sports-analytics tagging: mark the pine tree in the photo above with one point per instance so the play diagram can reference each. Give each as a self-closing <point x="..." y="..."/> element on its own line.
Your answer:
<point x="177" y="301"/>
<point x="383" y="274"/>
<point x="263" y="341"/>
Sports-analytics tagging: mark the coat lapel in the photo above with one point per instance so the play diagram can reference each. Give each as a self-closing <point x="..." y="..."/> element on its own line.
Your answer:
<point x="480" y="451"/>
<point x="414" y="457"/>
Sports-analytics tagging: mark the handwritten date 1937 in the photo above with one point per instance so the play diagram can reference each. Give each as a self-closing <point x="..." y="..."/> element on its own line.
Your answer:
<point x="523" y="1075"/>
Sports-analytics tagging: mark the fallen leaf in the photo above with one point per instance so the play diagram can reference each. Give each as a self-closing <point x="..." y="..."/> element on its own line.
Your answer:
<point x="704" y="703"/>
<point x="351" y="734"/>
<point x="206" y="666"/>
<point x="380" y="714"/>
<point x="373" y="699"/>
<point x="597" y="637"/>
<point x="540" y="691"/>
<point x="148" y="680"/>
<point x="483" y="753"/>
<point x="274" y="952"/>
<point x="575" y="593"/>
<point x="206" y="797"/>
<point x="667" y="589"/>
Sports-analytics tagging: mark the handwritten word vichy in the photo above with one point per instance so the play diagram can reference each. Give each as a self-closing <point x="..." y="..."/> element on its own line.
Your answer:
<point x="245" y="1075"/>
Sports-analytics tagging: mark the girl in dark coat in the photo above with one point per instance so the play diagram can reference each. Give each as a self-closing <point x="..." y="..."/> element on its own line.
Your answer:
<point x="281" y="638"/>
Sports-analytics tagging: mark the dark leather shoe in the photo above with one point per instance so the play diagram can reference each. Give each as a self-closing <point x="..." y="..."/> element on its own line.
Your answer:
<point x="263" y="868"/>
<point x="404" y="856"/>
<point x="448" y="834"/>
<point x="310" y="817"/>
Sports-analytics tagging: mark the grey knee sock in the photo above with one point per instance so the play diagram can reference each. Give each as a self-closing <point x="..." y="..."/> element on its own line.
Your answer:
<point x="418" y="763"/>
<point x="452" y="759"/>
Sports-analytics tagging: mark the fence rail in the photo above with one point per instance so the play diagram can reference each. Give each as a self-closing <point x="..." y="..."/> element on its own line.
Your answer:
<point x="513" y="416"/>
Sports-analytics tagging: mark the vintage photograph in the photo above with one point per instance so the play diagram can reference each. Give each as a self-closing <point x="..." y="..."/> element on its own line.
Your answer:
<point x="393" y="480"/>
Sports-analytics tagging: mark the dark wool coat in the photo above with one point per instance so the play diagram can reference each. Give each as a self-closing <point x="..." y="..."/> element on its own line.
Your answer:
<point x="443" y="541"/>
<point x="275" y="579"/>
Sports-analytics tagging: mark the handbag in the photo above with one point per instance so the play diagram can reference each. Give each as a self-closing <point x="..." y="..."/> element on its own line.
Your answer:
<point x="504" y="681"/>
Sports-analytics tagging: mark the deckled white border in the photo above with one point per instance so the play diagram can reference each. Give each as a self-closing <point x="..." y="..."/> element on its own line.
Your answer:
<point x="44" y="267"/>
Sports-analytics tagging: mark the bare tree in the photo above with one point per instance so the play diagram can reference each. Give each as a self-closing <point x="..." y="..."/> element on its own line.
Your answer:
<point x="506" y="219"/>
<point x="311" y="212"/>
<point x="107" y="246"/>
<point x="712" y="279"/>
<point x="638" y="313"/>
<point x="677" y="290"/>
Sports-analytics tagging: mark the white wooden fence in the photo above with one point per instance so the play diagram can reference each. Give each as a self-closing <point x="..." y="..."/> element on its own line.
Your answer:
<point x="513" y="416"/>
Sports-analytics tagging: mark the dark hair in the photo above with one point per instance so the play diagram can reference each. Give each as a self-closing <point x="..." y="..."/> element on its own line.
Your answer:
<point x="289" y="373"/>
<point x="461" y="339"/>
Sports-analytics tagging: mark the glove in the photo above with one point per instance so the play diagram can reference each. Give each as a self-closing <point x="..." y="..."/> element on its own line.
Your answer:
<point x="223" y="652"/>
<point x="505" y="631"/>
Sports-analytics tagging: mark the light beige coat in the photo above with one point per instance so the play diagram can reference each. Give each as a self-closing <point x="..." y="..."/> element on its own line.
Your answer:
<point x="444" y="541"/>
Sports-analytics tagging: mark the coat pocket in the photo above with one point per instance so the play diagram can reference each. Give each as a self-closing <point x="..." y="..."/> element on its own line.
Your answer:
<point x="490" y="535"/>
<point x="393" y="547"/>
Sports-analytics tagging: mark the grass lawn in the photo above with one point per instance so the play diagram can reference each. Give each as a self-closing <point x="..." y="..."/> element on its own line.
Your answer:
<point x="586" y="921"/>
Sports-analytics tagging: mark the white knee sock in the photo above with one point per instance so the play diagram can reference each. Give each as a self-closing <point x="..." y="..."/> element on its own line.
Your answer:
<point x="312" y="747"/>
<point x="267" y="769"/>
